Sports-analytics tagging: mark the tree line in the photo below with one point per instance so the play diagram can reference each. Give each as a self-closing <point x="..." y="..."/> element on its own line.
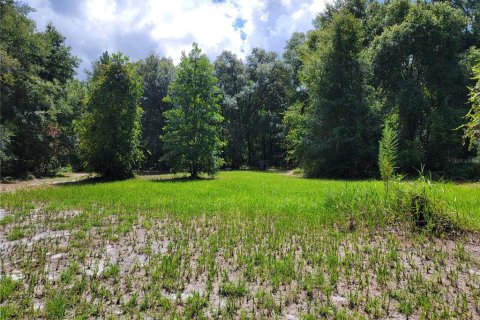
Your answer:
<point x="402" y="67"/>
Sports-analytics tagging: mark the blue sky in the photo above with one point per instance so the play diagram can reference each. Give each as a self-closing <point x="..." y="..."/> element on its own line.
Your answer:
<point x="169" y="26"/>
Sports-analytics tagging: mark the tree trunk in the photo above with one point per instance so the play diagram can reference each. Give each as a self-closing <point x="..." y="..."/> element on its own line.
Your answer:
<point x="194" y="172"/>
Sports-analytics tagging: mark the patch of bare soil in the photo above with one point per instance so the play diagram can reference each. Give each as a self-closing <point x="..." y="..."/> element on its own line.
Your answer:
<point x="44" y="182"/>
<point x="157" y="266"/>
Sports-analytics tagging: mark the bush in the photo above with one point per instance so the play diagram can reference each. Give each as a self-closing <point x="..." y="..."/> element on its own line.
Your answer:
<point x="415" y="202"/>
<point x="411" y="203"/>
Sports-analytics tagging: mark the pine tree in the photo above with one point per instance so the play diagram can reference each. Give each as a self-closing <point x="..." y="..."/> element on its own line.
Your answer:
<point x="191" y="134"/>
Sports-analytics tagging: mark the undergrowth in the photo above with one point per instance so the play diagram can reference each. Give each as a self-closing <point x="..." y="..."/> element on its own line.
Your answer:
<point x="416" y="204"/>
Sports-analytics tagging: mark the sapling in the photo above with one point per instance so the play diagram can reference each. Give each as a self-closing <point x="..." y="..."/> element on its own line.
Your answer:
<point x="387" y="154"/>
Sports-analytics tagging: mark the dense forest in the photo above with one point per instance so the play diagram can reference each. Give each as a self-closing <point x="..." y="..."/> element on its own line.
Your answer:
<point x="410" y="66"/>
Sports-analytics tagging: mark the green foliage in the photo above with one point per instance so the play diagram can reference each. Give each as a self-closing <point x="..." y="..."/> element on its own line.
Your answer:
<point x="71" y="108"/>
<point x="233" y="83"/>
<point x="7" y="287"/>
<point x="35" y="68"/>
<point x="294" y="121"/>
<point x="191" y="134"/>
<point x="233" y="290"/>
<point x="56" y="306"/>
<point x="387" y="153"/>
<point x="157" y="74"/>
<point x="472" y="130"/>
<point x="321" y="107"/>
<point x="254" y="97"/>
<point x="418" y="204"/>
<point x="195" y="305"/>
<point x="110" y="130"/>
<point x="416" y="63"/>
<point x="403" y="58"/>
<point x="266" y="100"/>
<point x="294" y="118"/>
<point x="338" y="128"/>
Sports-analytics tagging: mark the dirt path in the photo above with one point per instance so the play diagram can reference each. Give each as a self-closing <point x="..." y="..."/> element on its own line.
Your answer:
<point x="37" y="183"/>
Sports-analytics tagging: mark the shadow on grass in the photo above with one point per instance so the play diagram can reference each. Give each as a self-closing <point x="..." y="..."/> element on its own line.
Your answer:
<point x="176" y="179"/>
<point x="92" y="180"/>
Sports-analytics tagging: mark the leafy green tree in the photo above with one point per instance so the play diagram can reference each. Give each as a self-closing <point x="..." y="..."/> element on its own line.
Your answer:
<point x="416" y="63"/>
<point x="471" y="10"/>
<point x="157" y="74"/>
<point x="266" y="100"/>
<point x="35" y="69"/>
<point x="338" y="130"/>
<point x="232" y="81"/>
<point x="58" y="63"/>
<point x="70" y="109"/>
<point x="110" y="130"/>
<point x="255" y="96"/>
<point x="192" y="132"/>
<point x="297" y="96"/>
<point x="292" y="57"/>
<point x="295" y="123"/>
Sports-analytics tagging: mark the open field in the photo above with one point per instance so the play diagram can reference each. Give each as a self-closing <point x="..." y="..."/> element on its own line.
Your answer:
<point x="243" y="245"/>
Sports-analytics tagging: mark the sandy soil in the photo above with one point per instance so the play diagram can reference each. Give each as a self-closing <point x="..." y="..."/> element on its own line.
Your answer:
<point x="38" y="183"/>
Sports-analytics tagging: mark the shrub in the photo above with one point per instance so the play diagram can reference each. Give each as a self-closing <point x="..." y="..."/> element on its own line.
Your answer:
<point x="415" y="202"/>
<point x="412" y="203"/>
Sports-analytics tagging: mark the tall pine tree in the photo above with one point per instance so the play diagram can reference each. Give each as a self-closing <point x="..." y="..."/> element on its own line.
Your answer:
<point x="191" y="135"/>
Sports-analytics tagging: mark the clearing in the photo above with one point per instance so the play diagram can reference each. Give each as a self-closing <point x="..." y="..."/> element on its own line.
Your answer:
<point x="244" y="245"/>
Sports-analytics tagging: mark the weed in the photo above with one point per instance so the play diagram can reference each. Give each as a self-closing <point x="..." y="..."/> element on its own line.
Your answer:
<point x="15" y="234"/>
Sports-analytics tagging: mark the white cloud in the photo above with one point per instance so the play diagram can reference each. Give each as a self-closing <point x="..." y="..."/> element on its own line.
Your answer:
<point x="168" y="27"/>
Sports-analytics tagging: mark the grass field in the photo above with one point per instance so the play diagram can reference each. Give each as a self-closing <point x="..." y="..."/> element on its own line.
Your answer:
<point x="243" y="245"/>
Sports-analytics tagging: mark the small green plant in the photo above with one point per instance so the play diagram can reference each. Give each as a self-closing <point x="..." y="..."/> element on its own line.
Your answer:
<point x="472" y="132"/>
<point x="387" y="153"/>
<point x="16" y="234"/>
<point x="111" y="271"/>
<point x="56" y="306"/>
<point x="7" y="287"/>
<point x="235" y="290"/>
<point x="6" y="220"/>
<point x="195" y="305"/>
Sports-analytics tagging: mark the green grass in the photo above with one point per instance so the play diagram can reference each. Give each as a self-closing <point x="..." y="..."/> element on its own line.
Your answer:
<point x="243" y="245"/>
<point x="246" y="192"/>
<point x="253" y="193"/>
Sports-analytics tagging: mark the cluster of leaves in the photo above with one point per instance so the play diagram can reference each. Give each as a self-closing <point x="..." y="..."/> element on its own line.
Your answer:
<point x="39" y="99"/>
